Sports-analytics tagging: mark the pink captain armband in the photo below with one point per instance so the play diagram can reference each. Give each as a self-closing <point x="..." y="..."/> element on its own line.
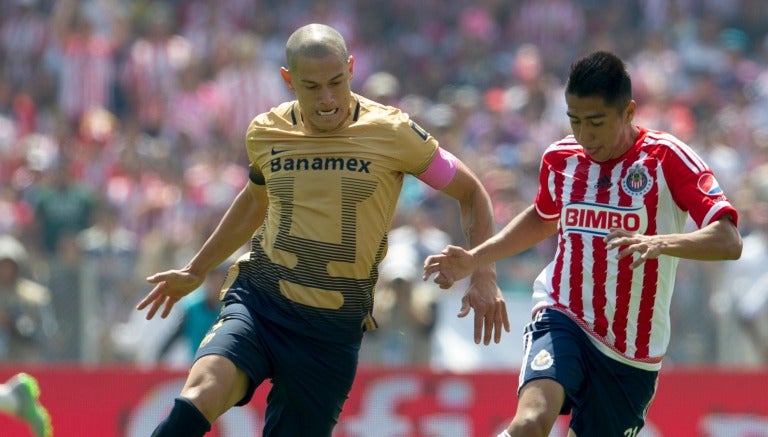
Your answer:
<point x="441" y="170"/>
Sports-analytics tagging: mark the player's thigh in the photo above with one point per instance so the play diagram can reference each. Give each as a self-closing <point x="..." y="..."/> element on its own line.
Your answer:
<point x="553" y="358"/>
<point x="616" y="400"/>
<point x="540" y="400"/>
<point x="551" y="370"/>
<point x="231" y="361"/>
<point x="311" y="383"/>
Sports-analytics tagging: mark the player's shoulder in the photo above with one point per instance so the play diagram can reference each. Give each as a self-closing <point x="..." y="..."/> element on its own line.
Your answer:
<point x="664" y="145"/>
<point x="383" y="120"/>
<point x="658" y="138"/>
<point x="563" y="147"/>
<point x="377" y="113"/>
<point x="283" y="115"/>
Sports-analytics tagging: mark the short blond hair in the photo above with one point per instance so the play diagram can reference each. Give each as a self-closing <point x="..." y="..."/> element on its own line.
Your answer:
<point x="315" y="41"/>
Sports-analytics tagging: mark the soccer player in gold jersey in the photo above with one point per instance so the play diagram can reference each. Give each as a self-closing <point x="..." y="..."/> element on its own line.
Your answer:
<point x="325" y="174"/>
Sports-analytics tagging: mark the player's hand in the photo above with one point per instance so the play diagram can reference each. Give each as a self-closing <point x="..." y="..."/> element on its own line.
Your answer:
<point x="453" y="264"/>
<point x="170" y="287"/>
<point x="490" y="309"/>
<point x="646" y="246"/>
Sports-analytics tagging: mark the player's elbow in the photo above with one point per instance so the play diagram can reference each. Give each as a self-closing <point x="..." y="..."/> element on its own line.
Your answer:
<point x="731" y="243"/>
<point x="733" y="248"/>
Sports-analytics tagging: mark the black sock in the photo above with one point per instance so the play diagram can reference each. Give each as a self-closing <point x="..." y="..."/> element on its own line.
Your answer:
<point x="185" y="419"/>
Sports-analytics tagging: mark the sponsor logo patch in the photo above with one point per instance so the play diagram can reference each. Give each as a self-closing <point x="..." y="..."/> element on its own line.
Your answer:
<point x="709" y="185"/>
<point x="604" y="183"/>
<point x="597" y="219"/>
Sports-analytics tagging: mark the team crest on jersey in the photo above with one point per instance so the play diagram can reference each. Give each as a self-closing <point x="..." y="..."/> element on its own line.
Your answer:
<point x="637" y="182"/>
<point x="542" y="361"/>
<point x="709" y="185"/>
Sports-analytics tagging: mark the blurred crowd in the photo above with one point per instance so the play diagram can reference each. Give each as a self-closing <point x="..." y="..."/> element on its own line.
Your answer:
<point x="122" y="143"/>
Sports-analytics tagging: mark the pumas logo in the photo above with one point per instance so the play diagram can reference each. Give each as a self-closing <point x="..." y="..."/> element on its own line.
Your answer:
<point x="637" y="182"/>
<point x="709" y="185"/>
<point x="211" y="333"/>
<point x="542" y="361"/>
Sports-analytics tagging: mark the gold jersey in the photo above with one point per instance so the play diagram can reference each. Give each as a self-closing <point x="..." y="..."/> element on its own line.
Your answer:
<point x="332" y="197"/>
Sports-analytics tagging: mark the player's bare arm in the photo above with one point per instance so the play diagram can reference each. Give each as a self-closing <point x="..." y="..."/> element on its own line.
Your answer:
<point x="523" y="232"/>
<point x="478" y="224"/>
<point x="720" y="240"/>
<point x="237" y="226"/>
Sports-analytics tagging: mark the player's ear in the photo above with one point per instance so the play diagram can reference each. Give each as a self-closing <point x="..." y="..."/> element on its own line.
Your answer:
<point x="629" y="111"/>
<point x="286" y="75"/>
<point x="350" y="64"/>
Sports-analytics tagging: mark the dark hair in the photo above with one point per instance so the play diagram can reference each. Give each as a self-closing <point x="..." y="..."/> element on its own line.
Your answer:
<point x="600" y="74"/>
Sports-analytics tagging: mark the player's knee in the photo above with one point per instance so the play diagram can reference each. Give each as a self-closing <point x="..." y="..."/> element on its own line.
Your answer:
<point x="205" y="401"/>
<point x="530" y="425"/>
<point x="214" y="385"/>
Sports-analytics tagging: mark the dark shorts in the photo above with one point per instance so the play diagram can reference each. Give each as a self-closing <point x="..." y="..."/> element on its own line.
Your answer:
<point x="310" y="379"/>
<point x="607" y="397"/>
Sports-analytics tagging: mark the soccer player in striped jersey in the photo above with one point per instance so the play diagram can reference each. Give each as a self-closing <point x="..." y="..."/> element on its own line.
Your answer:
<point x="325" y="174"/>
<point x="618" y="196"/>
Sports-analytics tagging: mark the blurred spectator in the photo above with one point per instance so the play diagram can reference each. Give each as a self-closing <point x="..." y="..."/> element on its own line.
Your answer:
<point x="110" y="258"/>
<point x="210" y="25"/>
<point x="27" y="323"/>
<point x="405" y="306"/>
<point x="382" y="87"/>
<point x="196" y="103"/>
<point x="85" y="64"/>
<point x="418" y="235"/>
<point x="70" y="342"/>
<point x="555" y="26"/>
<point x="62" y="206"/>
<point x="404" y="312"/>
<point x="151" y="72"/>
<point x="93" y="153"/>
<point x="753" y="315"/>
<point x="740" y="300"/>
<point x="23" y="38"/>
<point x="247" y="85"/>
<point x="15" y="213"/>
<point x="213" y="181"/>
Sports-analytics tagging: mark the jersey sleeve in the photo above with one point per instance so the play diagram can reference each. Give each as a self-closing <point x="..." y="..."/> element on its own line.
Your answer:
<point x="416" y="147"/>
<point x="254" y="169"/>
<point x="544" y="203"/>
<point x="694" y="187"/>
<point x="256" y="147"/>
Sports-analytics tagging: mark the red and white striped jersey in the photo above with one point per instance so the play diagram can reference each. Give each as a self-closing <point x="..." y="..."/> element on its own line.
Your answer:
<point x="86" y="73"/>
<point x="650" y="190"/>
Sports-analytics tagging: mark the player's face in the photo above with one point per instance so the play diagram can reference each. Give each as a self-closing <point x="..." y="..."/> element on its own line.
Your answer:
<point x="604" y="131"/>
<point x="322" y="87"/>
